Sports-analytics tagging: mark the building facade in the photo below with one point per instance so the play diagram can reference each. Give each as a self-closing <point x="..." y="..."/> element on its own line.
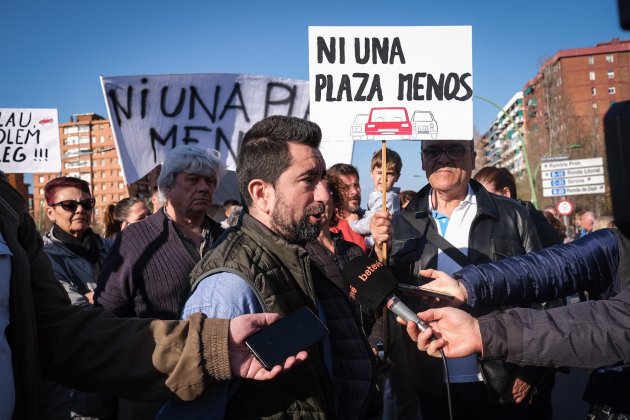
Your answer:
<point x="88" y="151"/>
<point x="500" y="145"/>
<point x="561" y="114"/>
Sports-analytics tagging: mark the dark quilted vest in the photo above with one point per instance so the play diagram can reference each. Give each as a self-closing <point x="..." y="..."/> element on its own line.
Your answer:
<point x="280" y="272"/>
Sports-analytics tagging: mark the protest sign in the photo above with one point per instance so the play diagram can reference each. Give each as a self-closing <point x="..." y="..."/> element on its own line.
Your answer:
<point x="29" y="141"/>
<point x="390" y="83"/>
<point x="150" y="115"/>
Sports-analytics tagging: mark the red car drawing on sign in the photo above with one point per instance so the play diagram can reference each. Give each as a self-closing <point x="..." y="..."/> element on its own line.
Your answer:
<point x="391" y="122"/>
<point x="46" y="121"/>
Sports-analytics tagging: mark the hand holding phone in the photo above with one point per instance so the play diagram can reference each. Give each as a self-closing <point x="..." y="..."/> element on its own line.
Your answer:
<point x="411" y="290"/>
<point x="297" y="331"/>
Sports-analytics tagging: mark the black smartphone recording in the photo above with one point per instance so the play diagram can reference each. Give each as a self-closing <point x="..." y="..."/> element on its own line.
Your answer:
<point x="410" y="290"/>
<point x="297" y="331"/>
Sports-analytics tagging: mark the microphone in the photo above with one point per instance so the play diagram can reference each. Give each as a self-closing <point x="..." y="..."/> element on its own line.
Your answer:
<point x="372" y="284"/>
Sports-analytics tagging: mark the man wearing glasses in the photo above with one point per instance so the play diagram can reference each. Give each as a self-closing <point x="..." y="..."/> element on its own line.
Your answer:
<point x="483" y="227"/>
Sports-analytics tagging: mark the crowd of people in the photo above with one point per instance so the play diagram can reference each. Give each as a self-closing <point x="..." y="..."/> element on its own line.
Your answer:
<point x="282" y="246"/>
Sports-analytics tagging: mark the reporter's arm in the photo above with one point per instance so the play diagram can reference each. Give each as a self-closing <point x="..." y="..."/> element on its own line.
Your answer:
<point x="586" y="335"/>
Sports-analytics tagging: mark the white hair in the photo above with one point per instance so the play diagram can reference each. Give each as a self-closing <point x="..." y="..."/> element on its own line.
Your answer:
<point x="191" y="160"/>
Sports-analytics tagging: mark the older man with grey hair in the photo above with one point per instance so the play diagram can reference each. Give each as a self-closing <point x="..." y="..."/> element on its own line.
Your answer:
<point x="451" y="222"/>
<point x="146" y="272"/>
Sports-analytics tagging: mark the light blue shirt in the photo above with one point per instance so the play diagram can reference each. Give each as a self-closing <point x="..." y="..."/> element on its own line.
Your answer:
<point x="460" y="369"/>
<point x="7" y="385"/>
<point x="221" y="295"/>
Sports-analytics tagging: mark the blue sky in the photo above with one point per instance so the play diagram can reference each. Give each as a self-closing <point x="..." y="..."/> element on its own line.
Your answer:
<point x="53" y="51"/>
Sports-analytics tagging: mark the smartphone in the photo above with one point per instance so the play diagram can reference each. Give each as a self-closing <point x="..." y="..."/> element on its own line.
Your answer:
<point x="410" y="290"/>
<point x="297" y="331"/>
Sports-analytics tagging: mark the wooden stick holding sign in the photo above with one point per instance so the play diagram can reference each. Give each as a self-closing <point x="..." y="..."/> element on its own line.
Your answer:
<point x="384" y="189"/>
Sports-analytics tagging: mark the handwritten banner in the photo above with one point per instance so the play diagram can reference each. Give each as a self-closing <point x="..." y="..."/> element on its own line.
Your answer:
<point x="29" y="141"/>
<point x="150" y="115"/>
<point x="390" y="83"/>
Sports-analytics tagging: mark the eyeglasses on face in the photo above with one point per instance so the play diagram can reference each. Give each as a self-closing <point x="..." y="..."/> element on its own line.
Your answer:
<point x="73" y="205"/>
<point x="453" y="153"/>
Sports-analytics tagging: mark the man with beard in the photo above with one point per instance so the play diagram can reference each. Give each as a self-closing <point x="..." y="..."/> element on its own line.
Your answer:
<point x="261" y="266"/>
<point x="345" y="178"/>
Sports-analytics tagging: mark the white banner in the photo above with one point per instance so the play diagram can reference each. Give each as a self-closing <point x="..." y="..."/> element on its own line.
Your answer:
<point x="29" y="141"/>
<point x="390" y="83"/>
<point x="150" y="115"/>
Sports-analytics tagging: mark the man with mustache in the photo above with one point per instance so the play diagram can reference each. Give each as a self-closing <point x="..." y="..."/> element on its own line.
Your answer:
<point x="345" y="177"/>
<point x="261" y="265"/>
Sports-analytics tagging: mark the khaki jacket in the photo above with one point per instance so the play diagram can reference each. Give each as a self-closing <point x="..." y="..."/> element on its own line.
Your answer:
<point x="90" y="349"/>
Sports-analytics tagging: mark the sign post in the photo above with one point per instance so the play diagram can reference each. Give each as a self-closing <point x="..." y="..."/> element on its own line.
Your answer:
<point x="573" y="177"/>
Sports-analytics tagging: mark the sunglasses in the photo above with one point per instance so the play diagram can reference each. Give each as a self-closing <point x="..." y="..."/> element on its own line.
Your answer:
<point x="453" y="153"/>
<point x="73" y="205"/>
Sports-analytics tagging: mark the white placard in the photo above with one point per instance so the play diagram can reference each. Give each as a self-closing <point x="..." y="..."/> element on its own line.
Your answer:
<point x="390" y="83"/>
<point x="150" y="115"/>
<point x="29" y="141"/>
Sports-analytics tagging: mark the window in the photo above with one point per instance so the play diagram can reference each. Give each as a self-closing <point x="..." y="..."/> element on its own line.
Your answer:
<point x="593" y="91"/>
<point x="102" y="139"/>
<point x="71" y="140"/>
<point x="591" y="60"/>
<point x="42" y="179"/>
<point x="610" y="58"/>
<point x="591" y="75"/>
<point x="84" y="140"/>
<point x="83" y="128"/>
<point x="611" y="90"/>
<point x="594" y="105"/>
<point x="611" y="75"/>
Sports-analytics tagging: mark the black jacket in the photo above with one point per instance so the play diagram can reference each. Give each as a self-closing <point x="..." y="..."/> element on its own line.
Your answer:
<point x="502" y="228"/>
<point x="588" y="335"/>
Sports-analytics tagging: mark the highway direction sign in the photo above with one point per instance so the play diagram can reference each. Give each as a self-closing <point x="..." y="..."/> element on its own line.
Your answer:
<point x="581" y="180"/>
<point x="571" y="164"/>
<point x="583" y="189"/>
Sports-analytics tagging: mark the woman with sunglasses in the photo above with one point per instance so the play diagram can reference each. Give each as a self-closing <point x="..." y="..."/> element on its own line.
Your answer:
<point x="76" y="254"/>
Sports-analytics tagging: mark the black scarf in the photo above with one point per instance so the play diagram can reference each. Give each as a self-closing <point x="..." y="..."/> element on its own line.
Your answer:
<point x="86" y="247"/>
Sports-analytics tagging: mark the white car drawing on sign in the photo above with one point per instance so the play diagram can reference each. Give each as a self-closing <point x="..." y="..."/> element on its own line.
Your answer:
<point x="423" y="125"/>
<point x="357" y="131"/>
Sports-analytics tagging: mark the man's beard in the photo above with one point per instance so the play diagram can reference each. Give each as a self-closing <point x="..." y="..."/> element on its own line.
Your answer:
<point x="353" y="208"/>
<point x="298" y="232"/>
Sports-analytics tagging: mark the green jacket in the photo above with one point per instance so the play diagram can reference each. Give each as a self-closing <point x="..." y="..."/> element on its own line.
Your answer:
<point x="284" y="280"/>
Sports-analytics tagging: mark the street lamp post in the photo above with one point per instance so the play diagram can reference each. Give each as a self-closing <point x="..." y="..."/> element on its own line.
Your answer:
<point x="519" y="133"/>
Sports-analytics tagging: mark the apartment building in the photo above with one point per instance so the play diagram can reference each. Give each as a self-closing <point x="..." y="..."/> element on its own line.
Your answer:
<point x="500" y="145"/>
<point x="560" y="112"/>
<point x="88" y="151"/>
